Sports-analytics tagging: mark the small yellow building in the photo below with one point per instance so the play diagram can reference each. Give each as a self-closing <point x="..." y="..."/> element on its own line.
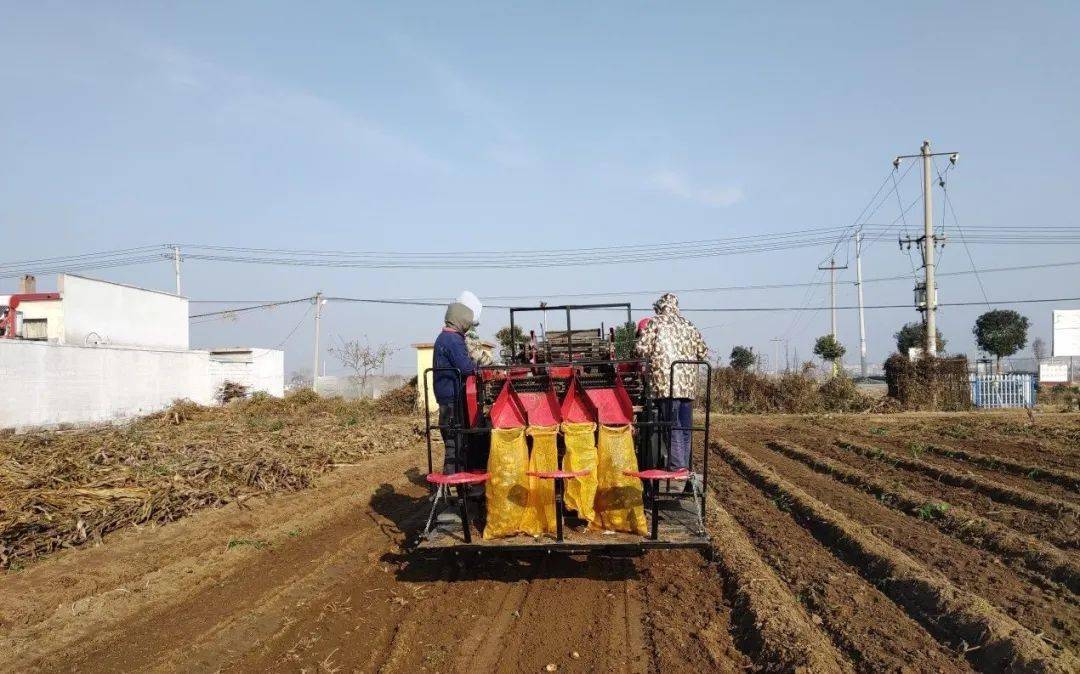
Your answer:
<point x="425" y="355"/>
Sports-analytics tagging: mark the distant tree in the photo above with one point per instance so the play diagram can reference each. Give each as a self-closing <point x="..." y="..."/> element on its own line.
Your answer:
<point x="507" y="340"/>
<point x="1001" y="332"/>
<point x="298" y="380"/>
<point x="361" y="358"/>
<point x="913" y="335"/>
<point x="625" y="339"/>
<point x="742" y="358"/>
<point x="1038" y="348"/>
<point x="828" y="348"/>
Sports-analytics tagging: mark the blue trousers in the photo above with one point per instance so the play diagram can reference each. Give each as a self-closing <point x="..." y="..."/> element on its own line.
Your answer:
<point x="677" y="412"/>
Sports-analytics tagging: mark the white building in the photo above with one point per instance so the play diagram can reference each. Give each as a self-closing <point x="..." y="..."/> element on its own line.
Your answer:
<point x="96" y="351"/>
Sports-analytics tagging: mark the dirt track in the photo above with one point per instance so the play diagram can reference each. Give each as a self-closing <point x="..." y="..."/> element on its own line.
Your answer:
<point x="318" y="581"/>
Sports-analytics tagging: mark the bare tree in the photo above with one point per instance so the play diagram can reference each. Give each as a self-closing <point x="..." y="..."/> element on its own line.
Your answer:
<point x="1038" y="348"/>
<point x="361" y="358"/>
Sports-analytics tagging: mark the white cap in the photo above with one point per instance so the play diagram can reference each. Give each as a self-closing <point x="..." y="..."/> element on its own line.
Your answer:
<point x="472" y="301"/>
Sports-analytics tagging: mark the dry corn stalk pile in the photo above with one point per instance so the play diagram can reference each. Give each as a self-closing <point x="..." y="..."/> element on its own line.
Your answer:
<point x="65" y="488"/>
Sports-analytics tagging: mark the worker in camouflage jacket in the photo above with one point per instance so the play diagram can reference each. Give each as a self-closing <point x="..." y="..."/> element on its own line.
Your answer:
<point x="666" y="338"/>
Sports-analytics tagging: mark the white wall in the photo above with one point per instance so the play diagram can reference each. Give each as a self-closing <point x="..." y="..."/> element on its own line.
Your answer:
<point x="347" y="388"/>
<point x="51" y="311"/>
<point x="119" y="315"/>
<point x="51" y="384"/>
<point x="257" y="369"/>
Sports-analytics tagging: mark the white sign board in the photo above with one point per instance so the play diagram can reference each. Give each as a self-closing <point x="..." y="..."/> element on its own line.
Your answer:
<point x="1066" y="333"/>
<point x="1053" y="373"/>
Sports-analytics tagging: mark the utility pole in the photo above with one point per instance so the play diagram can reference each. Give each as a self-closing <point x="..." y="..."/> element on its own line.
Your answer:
<point x="832" y="291"/>
<point x="776" y="353"/>
<point x="315" y="367"/>
<point x="176" y="266"/>
<point x="862" y="319"/>
<point x="927" y="243"/>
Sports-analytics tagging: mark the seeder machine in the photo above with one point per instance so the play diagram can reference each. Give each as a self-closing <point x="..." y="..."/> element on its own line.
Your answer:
<point x="563" y="382"/>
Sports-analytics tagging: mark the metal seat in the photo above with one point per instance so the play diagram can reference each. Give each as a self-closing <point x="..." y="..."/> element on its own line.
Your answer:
<point x="457" y="478"/>
<point x="657" y="474"/>
<point x="444" y="482"/>
<point x="559" y="476"/>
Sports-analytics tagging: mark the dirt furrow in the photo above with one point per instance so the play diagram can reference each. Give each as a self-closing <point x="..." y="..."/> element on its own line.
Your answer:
<point x="1045" y="443"/>
<point x="993" y="489"/>
<point x="966" y="526"/>
<point x="778" y="632"/>
<point x="1060" y="532"/>
<point x="1067" y="479"/>
<point x="995" y="641"/>
<point x="1053" y="483"/>
<point x="1029" y="598"/>
<point x="868" y="628"/>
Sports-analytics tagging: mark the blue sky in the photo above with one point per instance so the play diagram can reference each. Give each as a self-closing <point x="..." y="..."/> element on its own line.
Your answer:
<point x="483" y="126"/>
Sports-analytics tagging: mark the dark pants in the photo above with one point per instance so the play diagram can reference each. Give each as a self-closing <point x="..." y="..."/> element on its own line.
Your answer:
<point x="453" y="460"/>
<point x="677" y="412"/>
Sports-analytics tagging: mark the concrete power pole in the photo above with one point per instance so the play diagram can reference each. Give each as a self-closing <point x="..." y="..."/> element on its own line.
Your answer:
<point x="832" y="292"/>
<point x="176" y="266"/>
<point x="776" y="354"/>
<point x="928" y="241"/>
<point x="315" y="366"/>
<point x="862" y="319"/>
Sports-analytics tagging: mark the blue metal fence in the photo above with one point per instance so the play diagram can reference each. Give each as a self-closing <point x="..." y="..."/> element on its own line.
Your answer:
<point x="991" y="391"/>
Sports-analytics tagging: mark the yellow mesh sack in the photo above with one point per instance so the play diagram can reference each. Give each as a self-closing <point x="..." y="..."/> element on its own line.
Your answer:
<point x="619" y="498"/>
<point x="581" y="455"/>
<point x="507" y="490"/>
<point x="540" y="514"/>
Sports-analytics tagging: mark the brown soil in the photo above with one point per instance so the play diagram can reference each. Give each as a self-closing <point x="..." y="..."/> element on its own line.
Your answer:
<point x="989" y="638"/>
<point x="1061" y="532"/>
<point x="981" y="572"/>
<point x="869" y="629"/>
<point x="322" y="580"/>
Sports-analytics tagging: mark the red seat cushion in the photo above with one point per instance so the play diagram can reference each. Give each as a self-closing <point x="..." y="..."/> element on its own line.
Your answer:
<point x="557" y="474"/>
<point x="457" y="478"/>
<point x="657" y="474"/>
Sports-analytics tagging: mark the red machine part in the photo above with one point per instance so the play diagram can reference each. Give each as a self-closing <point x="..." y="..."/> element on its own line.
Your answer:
<point x="576" y="406"/>
<point x="541" y="407"/>
<point x="613" y="405"/>
<point x="472" y="409"/>
<point x="507" y="410"/>
<point x="7" y="322"/>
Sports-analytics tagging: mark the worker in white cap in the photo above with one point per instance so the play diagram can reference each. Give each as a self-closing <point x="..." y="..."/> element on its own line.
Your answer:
<point x="451" y="351"/>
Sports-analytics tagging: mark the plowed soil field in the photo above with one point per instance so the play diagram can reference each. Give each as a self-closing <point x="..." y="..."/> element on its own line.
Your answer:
<point x="842" y="543"/>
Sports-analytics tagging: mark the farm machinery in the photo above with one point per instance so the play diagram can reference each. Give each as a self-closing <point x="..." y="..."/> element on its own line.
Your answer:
<point x="582" y="389"/>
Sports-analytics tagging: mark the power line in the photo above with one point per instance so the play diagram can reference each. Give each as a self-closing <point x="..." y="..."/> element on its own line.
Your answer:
<point x="956" y="223"/>
<point x="251" y="308"/>
<point x="877" y="306"/>
<point x="441" y="301"/>
<point x="295" y="327"/>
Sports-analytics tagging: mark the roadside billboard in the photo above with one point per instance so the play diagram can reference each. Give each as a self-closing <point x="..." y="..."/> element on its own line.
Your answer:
<point x="1066" y="333"/>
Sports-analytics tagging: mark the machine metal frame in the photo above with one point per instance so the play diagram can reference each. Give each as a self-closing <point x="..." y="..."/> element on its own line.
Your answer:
<point x="682" y="514"/>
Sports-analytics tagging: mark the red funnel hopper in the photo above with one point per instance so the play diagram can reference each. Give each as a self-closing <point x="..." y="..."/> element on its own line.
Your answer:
<point x="507" y="410"/>
<point x="541" y="407"/>
<point x="613" y="405"/>
<point x="576" y="406"/>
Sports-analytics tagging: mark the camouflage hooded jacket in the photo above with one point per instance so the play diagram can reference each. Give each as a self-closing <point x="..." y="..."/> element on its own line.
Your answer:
<point x="667" y="338"/>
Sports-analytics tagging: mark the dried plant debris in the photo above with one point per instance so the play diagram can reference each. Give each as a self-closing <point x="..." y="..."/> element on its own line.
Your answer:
<point x="62" y="489"/>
